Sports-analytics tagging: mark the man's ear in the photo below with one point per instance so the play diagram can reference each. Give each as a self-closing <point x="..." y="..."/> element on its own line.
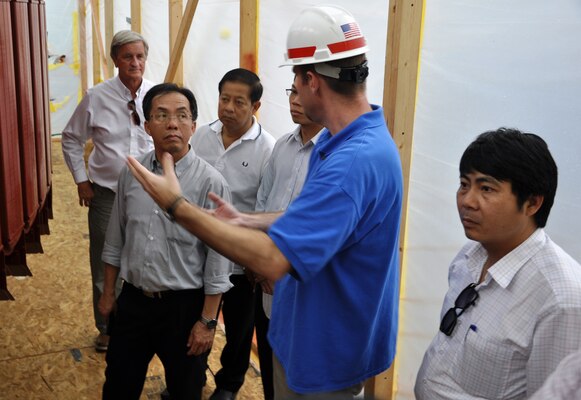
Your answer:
<point x="146" y="127"/>
<point x="313" y="81"/>
<point x="256" y="106"/>
<point x="533" y="204"/>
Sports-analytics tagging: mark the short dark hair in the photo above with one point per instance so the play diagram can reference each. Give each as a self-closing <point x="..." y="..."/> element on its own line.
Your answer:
<point x="523" y="159"/>
<point x="165" y="88"/>
<point x="345" y="88"/>
<point x="244" y="76"/>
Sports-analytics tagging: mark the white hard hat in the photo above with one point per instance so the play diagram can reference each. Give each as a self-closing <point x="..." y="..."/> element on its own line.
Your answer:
<point x="323" y="33"/>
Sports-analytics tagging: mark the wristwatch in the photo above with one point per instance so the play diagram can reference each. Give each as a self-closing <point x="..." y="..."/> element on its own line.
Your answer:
<point x="210" y="323"/>
<point x="169" y="212"/>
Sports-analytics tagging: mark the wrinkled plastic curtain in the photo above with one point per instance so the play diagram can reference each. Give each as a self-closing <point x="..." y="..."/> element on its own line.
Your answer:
<point x="64" y="81"/>
<point x="484" y="65"/>
<point x="211" y="50"/>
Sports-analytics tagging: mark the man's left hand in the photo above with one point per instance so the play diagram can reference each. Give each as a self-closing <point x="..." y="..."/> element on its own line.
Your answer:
<point x="200" y="340"/>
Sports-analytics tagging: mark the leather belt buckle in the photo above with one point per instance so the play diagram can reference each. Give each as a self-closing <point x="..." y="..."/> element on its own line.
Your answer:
<point x="152" y="295"/>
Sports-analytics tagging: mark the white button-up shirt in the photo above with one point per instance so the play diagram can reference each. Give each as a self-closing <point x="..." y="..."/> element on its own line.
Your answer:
<point x="526" y="320"/>
<point x="242" y="163"/>
<point x="104" y="116"/>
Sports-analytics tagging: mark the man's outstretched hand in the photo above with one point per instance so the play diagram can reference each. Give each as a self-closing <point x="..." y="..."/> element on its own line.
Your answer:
<point x="225" y="211"/>
<point x="163" y="189"/>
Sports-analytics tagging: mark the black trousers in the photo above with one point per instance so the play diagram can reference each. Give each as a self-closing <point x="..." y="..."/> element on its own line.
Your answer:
<point x="144" y="326"/>
<point x="238" y="313"/>
<point x="261" y="322"/>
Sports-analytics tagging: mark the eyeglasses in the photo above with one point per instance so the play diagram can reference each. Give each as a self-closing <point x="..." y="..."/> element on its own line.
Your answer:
<point x="162" y="117"/>
<point x="290" y="92"/>
<point x="465" y="299"/>
<point x="134" y="114"/>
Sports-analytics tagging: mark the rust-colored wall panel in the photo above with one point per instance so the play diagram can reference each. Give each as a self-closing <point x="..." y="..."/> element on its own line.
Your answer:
<point x="46" y="95"/>
<point x="38" y="99"/>
<point x="22" y="62"/>
<point x="11" y="210"/>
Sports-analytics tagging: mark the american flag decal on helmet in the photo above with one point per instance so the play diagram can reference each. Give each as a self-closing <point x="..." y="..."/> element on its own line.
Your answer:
<point x="350" y="30"/>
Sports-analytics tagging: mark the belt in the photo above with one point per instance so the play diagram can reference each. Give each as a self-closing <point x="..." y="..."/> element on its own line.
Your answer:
<point x="163" y="294"/>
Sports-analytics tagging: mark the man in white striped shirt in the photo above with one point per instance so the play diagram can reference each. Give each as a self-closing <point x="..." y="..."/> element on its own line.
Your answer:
<point x="513" y="308"/>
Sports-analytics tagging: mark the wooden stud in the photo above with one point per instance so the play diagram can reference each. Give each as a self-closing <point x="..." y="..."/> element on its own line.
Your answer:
<point x="109" y="32"/>
<point x="136" y="16"/>
<point x="82" y="46"/>
<point x="249" y="34"/>
<point x="178" y="48"/>
<point x="176" y="8"/>
<point x="399" y="101"/>
<point x="96" y="35"/>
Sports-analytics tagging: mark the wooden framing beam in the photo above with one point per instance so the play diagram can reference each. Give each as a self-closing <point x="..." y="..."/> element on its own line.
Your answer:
<point x="109" y="32"/>
<point x="95" y="18"/>
<point x="136" y="16"/>
<point x="399" y="102"/>
<point x="82" y="45"/>
<point x="249" y="34"/>
<point x="99" y="55"/>
<point x="176" y="8"/>
<point x="178" y="48"/>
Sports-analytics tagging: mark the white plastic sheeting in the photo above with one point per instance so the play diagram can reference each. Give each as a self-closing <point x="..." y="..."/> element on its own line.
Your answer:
<point x="211" y="49"/>
<point x="483" y="65"/>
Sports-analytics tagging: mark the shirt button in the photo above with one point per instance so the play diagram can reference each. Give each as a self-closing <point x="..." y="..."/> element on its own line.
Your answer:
<point x="150" y="237"/>
<point x="155" y="212"/>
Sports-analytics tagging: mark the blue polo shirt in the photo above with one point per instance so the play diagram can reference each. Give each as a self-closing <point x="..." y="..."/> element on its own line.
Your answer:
<point x="334" y="318"/>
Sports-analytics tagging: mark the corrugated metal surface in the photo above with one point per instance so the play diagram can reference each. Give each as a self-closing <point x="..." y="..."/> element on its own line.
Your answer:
<point x="38" y="99"/>
<point x="46" y="96"/>
<point x="25" y="160"/>
<point x="11" y="210"/>
<point x="11" y="219"/>
<point x="22" y="62"/>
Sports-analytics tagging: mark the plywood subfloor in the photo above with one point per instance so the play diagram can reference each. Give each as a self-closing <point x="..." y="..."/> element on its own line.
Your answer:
<point x="47" y="333"/>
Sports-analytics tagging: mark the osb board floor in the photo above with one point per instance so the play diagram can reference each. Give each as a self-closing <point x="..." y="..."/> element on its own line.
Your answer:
<point x="47" y="333"/>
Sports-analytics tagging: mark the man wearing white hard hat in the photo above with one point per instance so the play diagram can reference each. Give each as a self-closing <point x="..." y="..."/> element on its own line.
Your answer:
<point x="334" y="251"/>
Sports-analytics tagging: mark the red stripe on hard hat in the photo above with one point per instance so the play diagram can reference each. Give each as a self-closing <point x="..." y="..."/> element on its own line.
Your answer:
<point x="340" y="47"/>
<point x="302" y="52"/>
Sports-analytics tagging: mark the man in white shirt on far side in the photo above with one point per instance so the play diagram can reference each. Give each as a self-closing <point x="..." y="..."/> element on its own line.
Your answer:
<point x="111" y="116"/>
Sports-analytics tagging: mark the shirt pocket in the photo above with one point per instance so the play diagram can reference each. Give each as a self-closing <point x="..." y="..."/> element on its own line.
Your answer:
<point x="491" y="366"/>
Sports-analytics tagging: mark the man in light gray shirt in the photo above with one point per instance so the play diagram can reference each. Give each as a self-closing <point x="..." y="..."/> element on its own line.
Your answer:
<point x="282" y="182"/>
<point x="173" y="282"/>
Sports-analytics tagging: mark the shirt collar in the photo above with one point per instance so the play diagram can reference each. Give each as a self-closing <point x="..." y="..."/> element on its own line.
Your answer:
<point x="251" y="134"/>
<point x="183" y="164"/>
<point x="327" y="143"/>
<point x="296" y="135"/>
<point x="504" y="270"/>
<point x="124" y="90"/>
